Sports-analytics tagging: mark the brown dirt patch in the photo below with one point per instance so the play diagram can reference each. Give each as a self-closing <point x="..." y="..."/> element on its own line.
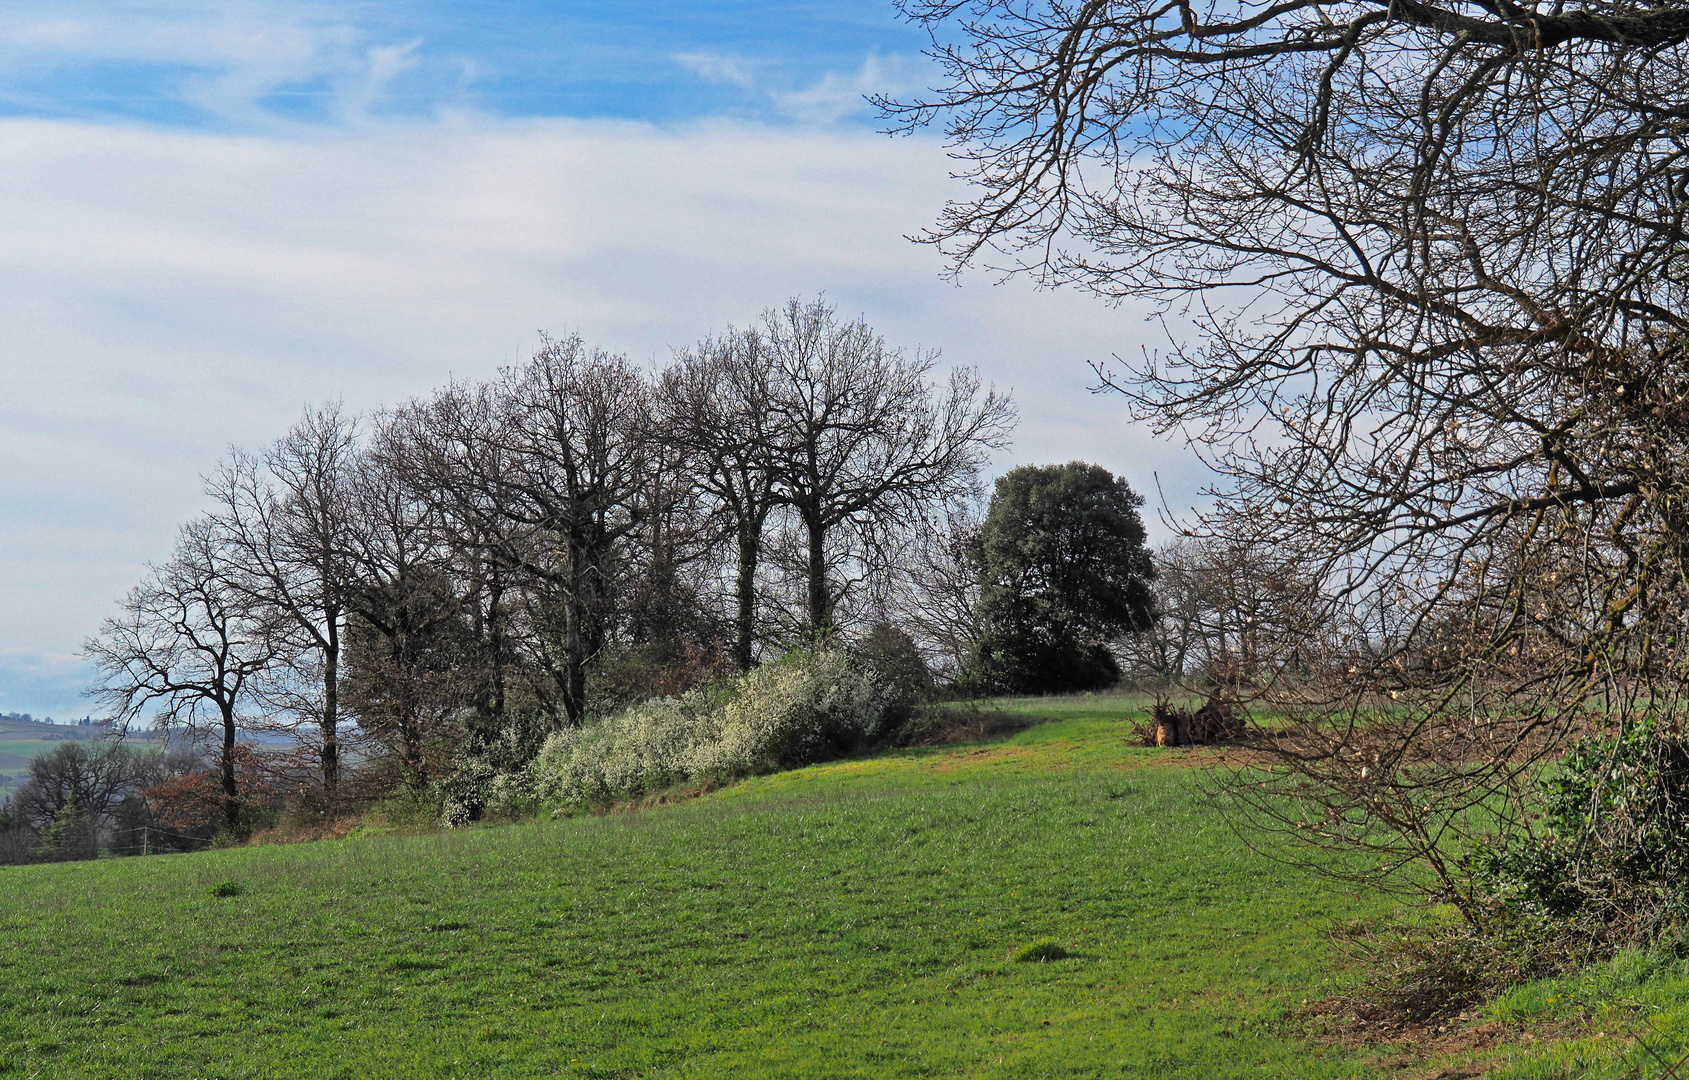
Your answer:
<point x="1419" y="1047"/>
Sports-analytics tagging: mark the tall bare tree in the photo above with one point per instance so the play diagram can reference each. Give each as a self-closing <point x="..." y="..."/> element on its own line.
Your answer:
<point x="549" y="465"/>
<point x="857" y="435"/>
<point x="407" y="669"/>
<point x="285" y="516"/>
<point x="715" y="402"/>
<point x="189" y="645"/>
<point x="935" y="585"/>
<point x="1435" y="254"/>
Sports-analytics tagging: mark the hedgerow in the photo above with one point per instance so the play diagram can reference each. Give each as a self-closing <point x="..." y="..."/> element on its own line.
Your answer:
<point x="806" y="707"/>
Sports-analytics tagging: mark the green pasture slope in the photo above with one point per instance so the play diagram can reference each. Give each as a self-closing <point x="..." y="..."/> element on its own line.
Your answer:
<point x="847" y="920"/>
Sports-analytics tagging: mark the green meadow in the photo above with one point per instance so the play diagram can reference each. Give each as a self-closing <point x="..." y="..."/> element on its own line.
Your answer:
<point x="850" y="919"/>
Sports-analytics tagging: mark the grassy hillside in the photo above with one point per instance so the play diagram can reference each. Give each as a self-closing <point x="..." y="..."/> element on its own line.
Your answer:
<point x="852" y="919"/>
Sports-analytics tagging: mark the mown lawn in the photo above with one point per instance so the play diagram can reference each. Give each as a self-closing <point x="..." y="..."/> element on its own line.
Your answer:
<point x="851" y="919"/>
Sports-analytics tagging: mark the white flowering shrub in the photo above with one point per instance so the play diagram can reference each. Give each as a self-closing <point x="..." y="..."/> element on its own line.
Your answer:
<point x="804" y="708"/>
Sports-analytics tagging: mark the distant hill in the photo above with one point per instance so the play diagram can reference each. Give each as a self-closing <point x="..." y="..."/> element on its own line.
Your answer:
<point x="23" y="725"/>
<point x="22" y="737"/>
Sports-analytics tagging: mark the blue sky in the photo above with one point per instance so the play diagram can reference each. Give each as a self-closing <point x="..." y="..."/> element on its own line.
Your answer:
<point x="217" y="213"/>
<point x="227" y="64"/>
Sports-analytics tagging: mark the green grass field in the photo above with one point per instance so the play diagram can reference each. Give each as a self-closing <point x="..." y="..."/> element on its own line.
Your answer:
<point x="851" y="919"/>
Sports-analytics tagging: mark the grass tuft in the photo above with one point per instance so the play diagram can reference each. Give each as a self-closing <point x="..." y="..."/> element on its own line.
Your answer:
<point x="1041" y="951"/>
<point x="227" y="888"/>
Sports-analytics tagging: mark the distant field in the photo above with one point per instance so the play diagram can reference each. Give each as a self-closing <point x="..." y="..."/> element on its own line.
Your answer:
<point x="848" y="920"/>
<point x="20" y="742"/>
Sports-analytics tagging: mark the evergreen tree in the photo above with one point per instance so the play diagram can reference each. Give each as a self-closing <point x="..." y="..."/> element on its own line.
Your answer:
<point x="1065" y="572"/>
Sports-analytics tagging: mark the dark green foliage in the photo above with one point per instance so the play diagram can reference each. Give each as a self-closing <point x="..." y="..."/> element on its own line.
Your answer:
<point x="404" y="675"/>
<point x="1065" y="572"/>
<point x="667" y="620"/>
<point x="1029" y="659"/>
<point x="71" y="834"/>
<point x="1608" y="865"/>
<point x="81" y="797"/>
<point x="890" y="657"/>
<point x="621" y="676"/>
<point x="226" y="888"/>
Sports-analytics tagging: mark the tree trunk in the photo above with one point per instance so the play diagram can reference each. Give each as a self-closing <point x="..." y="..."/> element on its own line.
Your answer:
<point x="574" y="646"/>
<point x="495" y="643"/>
<point x="331" y="710"/>
<point x="820" y="606"/>
<point x="750" y="545"/>
<point x="231" y="792"/>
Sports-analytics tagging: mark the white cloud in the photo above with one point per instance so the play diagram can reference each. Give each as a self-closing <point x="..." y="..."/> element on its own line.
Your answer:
<point x="834" y="97"/>
<point x="165" y="294"/>
<point x="233" y="54"/>
<point x="209" y="32"/>
<point x="717" y="68"/>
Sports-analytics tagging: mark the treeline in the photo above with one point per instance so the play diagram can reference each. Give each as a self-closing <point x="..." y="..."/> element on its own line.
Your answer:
<point x="26" y="718"/>
<point x="422" y="599"/>
<point x="89" y="797"/>
<point x="471" y="571"/>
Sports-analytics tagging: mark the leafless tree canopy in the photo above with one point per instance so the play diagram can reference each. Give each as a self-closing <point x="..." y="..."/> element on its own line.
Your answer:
<point x="715" y="412"/>
<point x="188" y="645"/>
<point x="439" y="586"/>
<point x="1431" y="258"/>
<point x="285" y="518"/>
<point x="858" y="437"/>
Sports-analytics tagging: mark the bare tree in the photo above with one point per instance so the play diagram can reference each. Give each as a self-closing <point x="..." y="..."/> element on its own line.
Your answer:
<point x="549" y="465"/>
<point x="1171" y="645"/>
<point x="1235" y="614"/>
<point x="715" y="409"/>
<point x="90" y="779"/>
<point x="857" y="435"/>
<point x="286" y="519"/>
<point x="1433" y="253"/>
<point x="189" y="645"/>
<point x="935" y="585"/>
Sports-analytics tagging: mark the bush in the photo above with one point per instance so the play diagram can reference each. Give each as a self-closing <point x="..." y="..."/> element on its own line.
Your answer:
<point x="1042" y="951"/>
<point x="620" y="678"/>
<point x="807" y="707"/>
<point x="1012" y="659"/>
<point x="894" y="662"/>
<point x="1419" y="972"/>
<point x="1609" y="863"/>
<point x="491" y="753"/>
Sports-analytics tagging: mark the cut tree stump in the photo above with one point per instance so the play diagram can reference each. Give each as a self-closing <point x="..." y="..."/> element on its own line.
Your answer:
<point x="1216" y="722"/>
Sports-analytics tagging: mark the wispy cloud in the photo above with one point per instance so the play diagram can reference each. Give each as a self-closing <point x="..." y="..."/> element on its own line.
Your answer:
<point x="836" y="96"/>
<point x="833" y="97"/>
<point x="719" y="69"/>
<point x="229" y="59"/>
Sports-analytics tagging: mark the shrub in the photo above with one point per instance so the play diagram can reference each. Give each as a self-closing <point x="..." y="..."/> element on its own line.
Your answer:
<point x="892" y="659"/>
<point x="488" y="759"/>
<point x="623" y="677"/>
<point x="1609" y="863"/>
<point x="1423" y="971"/>
<point x="806" y="707"/>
